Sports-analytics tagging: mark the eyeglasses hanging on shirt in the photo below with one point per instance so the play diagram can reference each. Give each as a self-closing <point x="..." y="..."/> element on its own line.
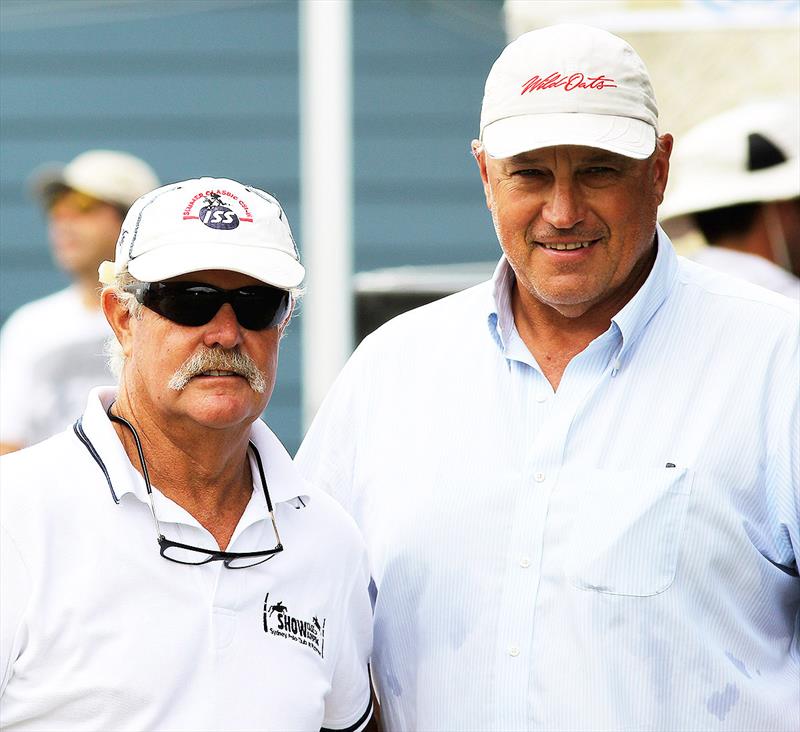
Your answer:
<point x="194" y="555"/>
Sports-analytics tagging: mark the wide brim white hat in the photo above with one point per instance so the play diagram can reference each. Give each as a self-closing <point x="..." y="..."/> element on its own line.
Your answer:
<point x="716" y="165"/>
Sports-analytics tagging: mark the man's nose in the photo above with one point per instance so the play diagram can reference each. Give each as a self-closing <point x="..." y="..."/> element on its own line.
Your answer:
<point x="223" y="329"/>
<point x="564" y="207"/>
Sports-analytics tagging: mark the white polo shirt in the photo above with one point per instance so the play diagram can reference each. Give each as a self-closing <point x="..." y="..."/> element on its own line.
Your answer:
<point x="98" y="631"/>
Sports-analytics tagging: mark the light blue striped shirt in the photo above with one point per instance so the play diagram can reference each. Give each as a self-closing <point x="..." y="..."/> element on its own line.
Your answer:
<point x="618" y="555"/>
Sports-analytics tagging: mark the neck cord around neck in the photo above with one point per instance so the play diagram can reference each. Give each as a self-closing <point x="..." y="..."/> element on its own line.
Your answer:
<point x="125" y="423"/>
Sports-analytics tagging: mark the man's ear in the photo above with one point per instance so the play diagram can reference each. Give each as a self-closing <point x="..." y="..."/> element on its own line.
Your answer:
<point x="480" y="158"/>
<point x="661" y="165"/>
<point x="282" y="327"/>
<point x="119" y="318"/>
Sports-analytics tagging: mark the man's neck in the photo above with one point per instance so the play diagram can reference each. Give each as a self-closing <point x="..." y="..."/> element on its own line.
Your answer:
<point x="89" y="291"/>
<point x="205" y="471"/>
<point x="554" y="338"/>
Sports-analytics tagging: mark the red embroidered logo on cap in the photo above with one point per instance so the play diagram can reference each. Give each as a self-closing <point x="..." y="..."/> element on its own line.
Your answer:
<point x="215" y="212"/>
<point x="567" y="83"/>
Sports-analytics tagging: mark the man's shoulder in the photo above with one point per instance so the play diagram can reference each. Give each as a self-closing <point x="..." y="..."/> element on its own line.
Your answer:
<point x="61" y="316"/>
<point x="750" y="267"/>
<point x="450" y="318"/>
<point x="731" y="295"/>
<point x="38" y="312"/>
<point x="51" y="478"/>
<point x="339" y="525"/>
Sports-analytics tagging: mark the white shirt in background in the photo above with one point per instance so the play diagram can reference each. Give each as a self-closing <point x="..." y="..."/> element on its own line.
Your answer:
<point x="749" y="267"/>
<point x="51" y="355"/>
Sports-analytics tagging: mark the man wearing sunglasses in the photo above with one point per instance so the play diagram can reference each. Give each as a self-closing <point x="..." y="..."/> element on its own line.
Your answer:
<point x="45" y="379"/>
<point x="164" y="566"/>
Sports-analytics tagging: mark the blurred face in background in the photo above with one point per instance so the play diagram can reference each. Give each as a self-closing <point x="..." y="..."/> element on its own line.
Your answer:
<point x="83" y="232"/>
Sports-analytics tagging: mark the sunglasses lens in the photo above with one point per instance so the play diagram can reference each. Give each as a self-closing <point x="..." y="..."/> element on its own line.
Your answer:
<point x="260" y="307"/>
<point x="185" y="303"/>
<point x="72" y="201"/>
<point x="190" y="303"/>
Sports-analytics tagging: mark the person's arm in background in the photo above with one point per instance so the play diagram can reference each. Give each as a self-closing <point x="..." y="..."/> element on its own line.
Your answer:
<point x="15" y="388"/>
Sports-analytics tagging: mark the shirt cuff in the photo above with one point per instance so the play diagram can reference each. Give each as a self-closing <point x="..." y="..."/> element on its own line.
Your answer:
<point x="356" y="726"/>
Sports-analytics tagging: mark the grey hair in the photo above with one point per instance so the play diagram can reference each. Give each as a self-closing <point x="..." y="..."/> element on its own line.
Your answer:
<point x="113" y="348"/>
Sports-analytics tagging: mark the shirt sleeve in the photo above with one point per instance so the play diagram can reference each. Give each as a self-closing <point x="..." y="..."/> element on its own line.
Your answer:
<point x="15" y="590"/>
<point x="782" y="463"/>
<point x="348" y="706"/>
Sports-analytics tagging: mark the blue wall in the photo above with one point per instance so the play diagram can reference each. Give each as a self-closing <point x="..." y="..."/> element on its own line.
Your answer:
<point x="211" y="88"/>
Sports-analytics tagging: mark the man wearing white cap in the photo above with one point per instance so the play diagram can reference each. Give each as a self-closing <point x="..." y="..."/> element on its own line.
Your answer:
<point x="578" y="481"/>
<point x="163" y="564"/>
<point x="736" y="179"/>
<point x="51" y="350"/>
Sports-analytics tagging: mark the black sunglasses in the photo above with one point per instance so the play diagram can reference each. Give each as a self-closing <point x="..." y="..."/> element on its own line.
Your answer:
<point x="257" y="307"/>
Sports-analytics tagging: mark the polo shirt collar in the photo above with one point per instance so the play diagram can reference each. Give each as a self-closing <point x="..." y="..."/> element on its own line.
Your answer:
<point x="283" y="480"/>
<point x="630" y="320"/>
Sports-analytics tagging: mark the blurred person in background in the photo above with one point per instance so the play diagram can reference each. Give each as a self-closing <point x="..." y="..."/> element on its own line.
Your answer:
<point x="51" y="350"/>
<point x="577" y="481"/>
<point x="736" y="179"/>
<point x="164" y="566"/>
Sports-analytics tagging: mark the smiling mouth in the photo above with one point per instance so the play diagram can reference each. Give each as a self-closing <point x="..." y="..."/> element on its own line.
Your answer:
<point x="219" y="373"/>
<point x="567" y="246"/>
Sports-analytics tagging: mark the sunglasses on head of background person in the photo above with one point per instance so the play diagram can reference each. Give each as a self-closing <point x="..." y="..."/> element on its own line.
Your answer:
<point x="68" y="200"/>
<point x="257" y="307"/>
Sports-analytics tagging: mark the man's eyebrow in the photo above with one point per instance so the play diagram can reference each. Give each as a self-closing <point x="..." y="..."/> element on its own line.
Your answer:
<point x="601" y="156"/>
<point x="605" y="157"/>
<point x="525" y="158"/>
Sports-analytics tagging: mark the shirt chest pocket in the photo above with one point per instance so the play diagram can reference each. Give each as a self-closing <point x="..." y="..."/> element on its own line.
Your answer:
<point x="627" y="533"/>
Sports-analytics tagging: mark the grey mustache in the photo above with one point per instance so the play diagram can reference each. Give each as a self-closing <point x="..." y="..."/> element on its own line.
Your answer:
<point x="219" y="359"/>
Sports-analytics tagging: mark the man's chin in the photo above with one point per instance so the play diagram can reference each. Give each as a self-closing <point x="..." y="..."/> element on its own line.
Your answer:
<point x="218" y="411"/>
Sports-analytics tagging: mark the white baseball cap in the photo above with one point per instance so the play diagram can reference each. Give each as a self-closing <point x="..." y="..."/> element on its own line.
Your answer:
<point x="568" y="85"/>
<point x="206" y="223"/>
<point x="108" y="175"/>
<point x="744" y="155"/>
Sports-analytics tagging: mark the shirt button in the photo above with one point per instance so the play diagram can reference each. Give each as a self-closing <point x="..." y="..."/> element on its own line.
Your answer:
<point x="524" y="562"/>
<point x="539" y="477"/>
<point x="541" y="397"/>
<point x="513" y="651"/>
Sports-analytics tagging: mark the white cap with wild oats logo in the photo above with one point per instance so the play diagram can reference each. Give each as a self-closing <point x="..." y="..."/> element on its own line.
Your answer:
<point x="569" y="85"/>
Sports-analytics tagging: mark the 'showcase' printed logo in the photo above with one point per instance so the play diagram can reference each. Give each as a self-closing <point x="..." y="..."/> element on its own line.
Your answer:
<point x="217" y="213"/>
<point x="279" y="622"/>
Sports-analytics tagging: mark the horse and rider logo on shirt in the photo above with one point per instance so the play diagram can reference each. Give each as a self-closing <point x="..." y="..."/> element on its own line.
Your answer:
<point x="280" y="623"/>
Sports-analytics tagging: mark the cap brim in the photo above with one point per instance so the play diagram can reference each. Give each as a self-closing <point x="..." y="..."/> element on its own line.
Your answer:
<point x="511" y="136"/>
<point x="704" y="193"/>
<point x="46" y="181"/>
<point x="271" y="266"/>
